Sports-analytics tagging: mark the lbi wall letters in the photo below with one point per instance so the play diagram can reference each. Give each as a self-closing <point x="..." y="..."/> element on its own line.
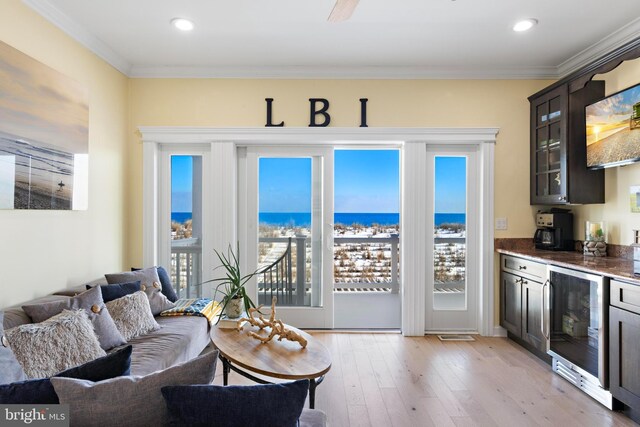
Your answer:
<point x="318" y="113"/>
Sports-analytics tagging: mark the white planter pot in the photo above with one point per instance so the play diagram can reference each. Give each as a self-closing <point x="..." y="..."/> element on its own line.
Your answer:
<point x="235" y="308"/>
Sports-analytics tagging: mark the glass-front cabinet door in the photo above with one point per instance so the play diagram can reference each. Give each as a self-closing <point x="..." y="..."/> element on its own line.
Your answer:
<point x="548" y="153"/>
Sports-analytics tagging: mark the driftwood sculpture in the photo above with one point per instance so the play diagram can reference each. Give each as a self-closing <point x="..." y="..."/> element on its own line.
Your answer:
<point x="276" y="325"/>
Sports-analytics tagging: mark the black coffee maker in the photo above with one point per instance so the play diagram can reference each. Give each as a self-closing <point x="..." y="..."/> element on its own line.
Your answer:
<point x="555" y="230"/>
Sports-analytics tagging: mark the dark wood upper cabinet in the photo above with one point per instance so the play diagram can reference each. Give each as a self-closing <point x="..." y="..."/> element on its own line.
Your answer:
<point x="559" y="173"/>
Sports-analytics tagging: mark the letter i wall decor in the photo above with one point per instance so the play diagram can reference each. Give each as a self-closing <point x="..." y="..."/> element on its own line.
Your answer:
<point x="44" y="119"/>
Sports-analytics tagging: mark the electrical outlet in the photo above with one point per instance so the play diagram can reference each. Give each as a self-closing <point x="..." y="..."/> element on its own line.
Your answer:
<point x="501" y="223"/>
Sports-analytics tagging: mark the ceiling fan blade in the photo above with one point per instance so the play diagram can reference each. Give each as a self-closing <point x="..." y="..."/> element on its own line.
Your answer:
<point x="342" y="10"/>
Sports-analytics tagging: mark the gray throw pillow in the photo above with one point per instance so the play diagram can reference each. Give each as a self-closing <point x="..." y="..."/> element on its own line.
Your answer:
<point x="132" y="400"/>
<point x="10" y="369"/>
<point x="132" y="315"/>
<point x="57" y="344"/>
<point x="150" y="284"/>
<point x="90" y="301"/>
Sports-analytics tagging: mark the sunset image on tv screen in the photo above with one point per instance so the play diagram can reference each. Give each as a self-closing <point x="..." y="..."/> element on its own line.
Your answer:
<point x="613" y="129"/>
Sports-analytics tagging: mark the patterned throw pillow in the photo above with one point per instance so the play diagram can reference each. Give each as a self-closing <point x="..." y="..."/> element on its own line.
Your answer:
<point x="90" y="301"/>
<point x="132" y="315"/>
<point x="61" y="342"/>
<point x="150" y="284"/>
<point x="271" y="404"/>
<point x="130" y="401"/>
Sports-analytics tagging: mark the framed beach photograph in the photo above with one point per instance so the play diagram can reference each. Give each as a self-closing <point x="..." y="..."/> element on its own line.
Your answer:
<point x="634" y="195"/>
<point x="44" y="136"/>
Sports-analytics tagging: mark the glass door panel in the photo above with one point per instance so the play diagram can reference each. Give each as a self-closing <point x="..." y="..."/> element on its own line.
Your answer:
<point x="450" y="201"/>
<point x="186" y="225"/>
<point x="285" y="252"/>
<point x="452" y="264"/>
<point x="286" y="212"/>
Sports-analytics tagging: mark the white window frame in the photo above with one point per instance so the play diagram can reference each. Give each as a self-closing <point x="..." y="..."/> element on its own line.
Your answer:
<point x="222" y="174"/>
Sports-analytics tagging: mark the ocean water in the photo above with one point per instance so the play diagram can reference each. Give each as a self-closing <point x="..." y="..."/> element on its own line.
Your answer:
<point x="303" y="219"/>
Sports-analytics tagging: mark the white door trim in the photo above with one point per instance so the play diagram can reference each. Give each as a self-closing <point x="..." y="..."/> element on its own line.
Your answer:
<point x="224" y="157"/>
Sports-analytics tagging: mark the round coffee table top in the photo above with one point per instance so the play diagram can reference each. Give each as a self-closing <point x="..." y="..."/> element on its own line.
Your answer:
<point x="278" y="359"/>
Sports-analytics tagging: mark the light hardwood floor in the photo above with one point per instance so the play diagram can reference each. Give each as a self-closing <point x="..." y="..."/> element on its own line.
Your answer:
<point x="380" y="379"/>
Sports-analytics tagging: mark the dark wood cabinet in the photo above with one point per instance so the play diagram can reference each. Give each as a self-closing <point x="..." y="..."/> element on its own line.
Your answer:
<point x="532" y="314"/>
<point x="521" y="300"/>
<point x="559" y="173"/>
<point x="624" y="344"/>
<point x="511" y="303"/>
<point x="624" y="356"/>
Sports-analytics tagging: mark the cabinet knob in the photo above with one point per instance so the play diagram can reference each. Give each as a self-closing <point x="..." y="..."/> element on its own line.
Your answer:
<point x="562" y="198"/>
<point x="522" y="267"/>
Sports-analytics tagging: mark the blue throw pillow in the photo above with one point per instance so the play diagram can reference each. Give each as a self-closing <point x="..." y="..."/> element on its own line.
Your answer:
<point x="41" y="392"/>
<point x="118" y="290"/>
<point x="272" y="405"/>
<point x="165" y="281"/>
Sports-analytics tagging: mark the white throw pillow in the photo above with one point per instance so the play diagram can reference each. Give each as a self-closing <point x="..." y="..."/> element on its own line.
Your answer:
<point x="132" y="315"/>
<point x="59" y="343"/>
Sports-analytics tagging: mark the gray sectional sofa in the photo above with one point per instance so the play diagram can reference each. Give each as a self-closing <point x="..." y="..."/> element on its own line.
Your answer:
<point x="181" y="338"/>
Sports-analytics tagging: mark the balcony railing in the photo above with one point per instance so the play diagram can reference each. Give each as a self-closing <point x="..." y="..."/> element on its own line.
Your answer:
<point x="286" y="272"/>
<point x="186" y="259"/>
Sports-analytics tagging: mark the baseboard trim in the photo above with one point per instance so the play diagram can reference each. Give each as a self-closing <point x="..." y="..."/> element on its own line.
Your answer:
<point x="499" y="331"/>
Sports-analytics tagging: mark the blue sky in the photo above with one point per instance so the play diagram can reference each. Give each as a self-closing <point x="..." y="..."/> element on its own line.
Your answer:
<point x="451" y="184"/>
<point x="181" y="183"/>
<point x="365" y="181"/>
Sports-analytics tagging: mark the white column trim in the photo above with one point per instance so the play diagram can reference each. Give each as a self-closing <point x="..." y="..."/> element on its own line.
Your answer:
<point x="413" y="250"/>
<point x="150" y="204"/>
<point x="224" y="143"/>
<point x="487" y="312"/>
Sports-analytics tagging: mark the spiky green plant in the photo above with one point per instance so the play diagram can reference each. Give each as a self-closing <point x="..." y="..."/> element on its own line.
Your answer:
<point x="232" y="285"/>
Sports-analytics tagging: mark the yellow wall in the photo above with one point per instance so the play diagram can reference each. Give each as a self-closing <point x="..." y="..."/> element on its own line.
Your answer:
<point x="44" y="251"/>
<point x="616" y="210"/>
<point x="392" y="103"/>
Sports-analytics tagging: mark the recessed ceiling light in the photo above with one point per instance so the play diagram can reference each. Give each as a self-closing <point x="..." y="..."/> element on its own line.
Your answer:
<point x="525" y="24"/>
<point x="182" y="24"/>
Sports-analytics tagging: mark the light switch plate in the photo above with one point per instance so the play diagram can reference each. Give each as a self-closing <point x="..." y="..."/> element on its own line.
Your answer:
<point x="501" y="223"/>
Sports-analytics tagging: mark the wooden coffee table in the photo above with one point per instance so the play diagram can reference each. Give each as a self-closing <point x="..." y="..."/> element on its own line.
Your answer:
<point x="276" y="359"/>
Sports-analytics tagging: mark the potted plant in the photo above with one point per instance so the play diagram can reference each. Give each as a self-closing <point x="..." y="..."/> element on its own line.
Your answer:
<point x="232" y="285"/>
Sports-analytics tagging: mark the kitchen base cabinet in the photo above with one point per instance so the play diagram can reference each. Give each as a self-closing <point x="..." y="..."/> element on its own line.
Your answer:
<point x="521" y="303"/>
<point x="511" y="303"/>
<point x="532" y="314"/>
<point x="624" y="346"/>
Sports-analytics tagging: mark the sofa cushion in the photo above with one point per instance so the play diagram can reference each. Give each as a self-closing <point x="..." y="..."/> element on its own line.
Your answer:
<point x="10" y="368"/>
<point x="132" y="315"/>
<point x="118" y="290"/>
<point x="204" y="405"/>
<point x="41" y="392"/>
<point x="312" y="418"/>
<point x="179" y="339"/>
<point x="91" y="302"/>
<point x="151" y="286"/>
<point x="15" y="315"/>
<point x="134" y="400"/>
<point x="61" y="342"/>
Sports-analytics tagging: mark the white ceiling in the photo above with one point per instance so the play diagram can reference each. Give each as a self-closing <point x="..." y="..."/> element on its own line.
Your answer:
<point x="383" y="39"/>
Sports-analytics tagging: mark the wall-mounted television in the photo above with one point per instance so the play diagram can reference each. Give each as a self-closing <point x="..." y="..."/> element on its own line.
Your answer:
<point x="613" y="129"/>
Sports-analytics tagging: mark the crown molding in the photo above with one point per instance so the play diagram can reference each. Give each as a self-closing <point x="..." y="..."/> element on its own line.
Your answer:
<point x="597" y="50"/>
<point x="356" y="73"/>
<point x="79" y="33"/>
<point x="327" y="135"/>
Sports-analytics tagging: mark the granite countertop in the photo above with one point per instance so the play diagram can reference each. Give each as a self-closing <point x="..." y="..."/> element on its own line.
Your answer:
<point x="614" y="267"/>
